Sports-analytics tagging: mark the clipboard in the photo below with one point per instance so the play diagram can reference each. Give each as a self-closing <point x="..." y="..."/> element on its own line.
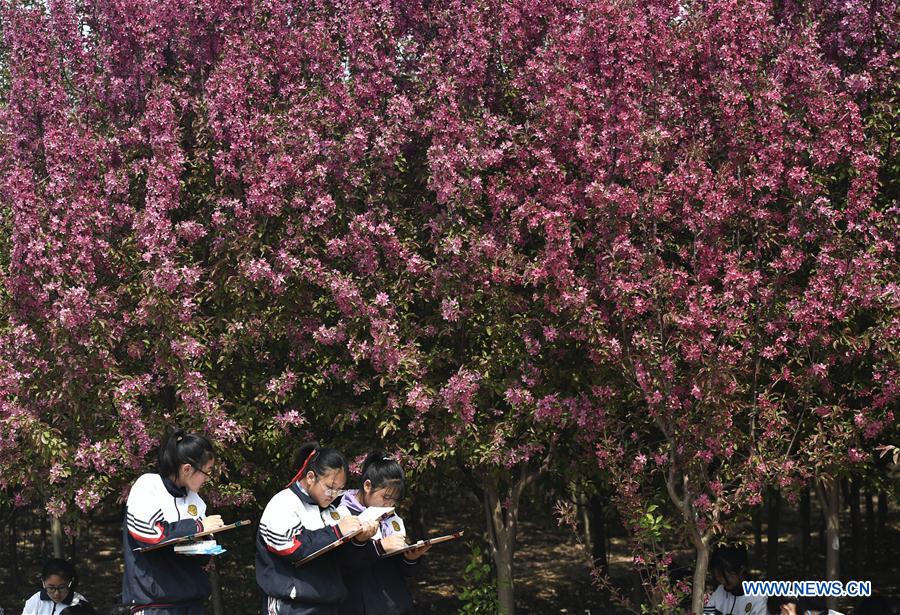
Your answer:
<point x="192" y="537"/>
<point x="329" y="547"/>
<point x="342" y="540"/>
<point x="427" y="542"/>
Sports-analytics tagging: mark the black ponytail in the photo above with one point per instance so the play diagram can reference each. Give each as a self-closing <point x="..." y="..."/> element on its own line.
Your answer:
<point x="310" y="457"/>
<point x="179" y="448"/>
<point x="383" y="472"/>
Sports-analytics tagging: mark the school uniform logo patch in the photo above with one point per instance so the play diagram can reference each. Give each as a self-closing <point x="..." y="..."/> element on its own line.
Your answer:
<point x="335" y="515"/>
<point x="395" y="525"/>
<point x="192" y="509"/>
<point x="747" y="607"/>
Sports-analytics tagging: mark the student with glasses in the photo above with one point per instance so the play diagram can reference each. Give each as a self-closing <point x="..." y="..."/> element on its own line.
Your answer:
<point x="58" y="580"/>
<point x="728" y="566"/>
<point x="162" y="506"/>
<point x="297" y="522"/>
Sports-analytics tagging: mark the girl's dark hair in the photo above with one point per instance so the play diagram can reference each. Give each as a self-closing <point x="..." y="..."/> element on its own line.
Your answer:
<point x="61" y="568"/>
<point x="310" y="456"/>
<point x="82" y="608"/>
<point x="729" y="558"/>
<point x="384" y="472"/>
<point x="179" y="448"/>
<point x="774" y="603"/>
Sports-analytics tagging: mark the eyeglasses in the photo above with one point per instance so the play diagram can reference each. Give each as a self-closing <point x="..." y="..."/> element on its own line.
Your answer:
<point x="212" y="476"/>
<point x="331" y="492"/>
<point x="58" y="589"/>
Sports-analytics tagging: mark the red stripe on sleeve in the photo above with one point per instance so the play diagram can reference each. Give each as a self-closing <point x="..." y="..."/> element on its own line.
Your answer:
<point x="286" y="551"/>
<point x="150" y="541"/>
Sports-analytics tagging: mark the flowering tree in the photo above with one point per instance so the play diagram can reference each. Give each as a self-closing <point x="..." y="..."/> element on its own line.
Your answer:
<point x="490" y="233"/>
<point x="680" y="170"/>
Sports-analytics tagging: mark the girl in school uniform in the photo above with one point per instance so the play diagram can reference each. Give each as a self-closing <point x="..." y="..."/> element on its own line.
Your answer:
<point x="164" y="506"/>
<point x="790" y="605"/>
<point x="58" y="581"/>
<point x="728" y="565"/>
<point x="377" y="585"/>
<point x="297" y="522"/>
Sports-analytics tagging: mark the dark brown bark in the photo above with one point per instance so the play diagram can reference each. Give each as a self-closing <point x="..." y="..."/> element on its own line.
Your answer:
<point x="417" y="519"/>
<point x="856" y="538"/>
<point x="757" y="533"/>
<point x="880" y="535"/>
<point x="587" y="521"/>
<point x="772" y="532"/>
<point x="42" y="545"/>
<point x="829" y="491"/>
<point x="13" y="550"/>
<point x="870" y="524"/>
<point x="598" y="534"/>
<point x="805" y="529"/>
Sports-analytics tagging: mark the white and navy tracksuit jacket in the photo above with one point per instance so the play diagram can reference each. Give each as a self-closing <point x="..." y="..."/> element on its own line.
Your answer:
<point x="158" y="510"/>
<point x="376" y="586"/>
<point x="41" y="604"/>
<point x="725" y="603"/>
<point x="293" y="526"/>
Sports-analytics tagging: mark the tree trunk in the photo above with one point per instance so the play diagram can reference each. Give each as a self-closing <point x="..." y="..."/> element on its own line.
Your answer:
<point x="829" y="492"/>
<point x="587" y="522"/>
<point x="42" y="545"/>
<point x="73" y="543"/>
<point x="216" y="586"/>
<point x="500" y="539"/>
<point x="856" y="538"/>
<point x="772" y="534"/>
<point x="757" y="534"/>
<point x="13" y="550"/>
<point x="598" y="534"/>
<point x="701" y="567"/>
<point x="417" y="519"/>
<point x="805" y="529"/>
<point x="880" y="536"/>
<point x="870" y="526"/>
<point x="56" y="534"/>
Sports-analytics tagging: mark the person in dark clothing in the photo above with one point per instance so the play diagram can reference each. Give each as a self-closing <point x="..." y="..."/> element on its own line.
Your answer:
<point x="792" y="605"/>
<point x="82" y="608"/>
<point x="164" y="506"/>
<point x="299" y="521"/>
<point x="376" y="582"/>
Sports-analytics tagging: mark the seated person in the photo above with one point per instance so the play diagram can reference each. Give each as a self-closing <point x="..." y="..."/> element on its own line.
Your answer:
<point x="728" y="565"/>
<point x="59" y="580"/>
<point x="791" y="605"/>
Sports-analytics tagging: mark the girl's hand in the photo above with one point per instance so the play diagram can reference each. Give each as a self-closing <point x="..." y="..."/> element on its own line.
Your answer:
<point x="348" y="525"/>
<point x="212" y="522"/>
<point x="369" y="528"/>
<point x="393" y="542"/>
<point x="416" y="553"/>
